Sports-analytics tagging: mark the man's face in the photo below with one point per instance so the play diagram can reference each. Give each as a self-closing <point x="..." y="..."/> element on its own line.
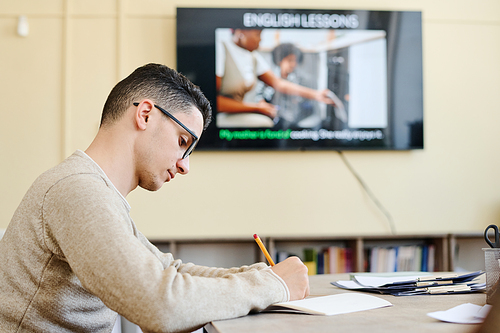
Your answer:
<point x="161" y="149"/>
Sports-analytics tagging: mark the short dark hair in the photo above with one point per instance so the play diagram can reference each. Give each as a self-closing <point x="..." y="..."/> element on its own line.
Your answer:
<point x="284" y="50"/>
<point x="165" y="86"/>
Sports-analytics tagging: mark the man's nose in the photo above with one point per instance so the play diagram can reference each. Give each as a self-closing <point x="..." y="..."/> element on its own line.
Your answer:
<point x="183" y="166"/>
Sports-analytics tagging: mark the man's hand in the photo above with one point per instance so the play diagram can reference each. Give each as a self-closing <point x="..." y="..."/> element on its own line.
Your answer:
<point x="294" y="273"/>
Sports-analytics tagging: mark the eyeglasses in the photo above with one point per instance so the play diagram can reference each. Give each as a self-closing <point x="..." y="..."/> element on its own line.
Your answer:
<point x="171" y="116"/>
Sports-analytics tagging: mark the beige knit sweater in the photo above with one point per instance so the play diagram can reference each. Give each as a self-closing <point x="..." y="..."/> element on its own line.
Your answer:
<point x="71" y="258"/>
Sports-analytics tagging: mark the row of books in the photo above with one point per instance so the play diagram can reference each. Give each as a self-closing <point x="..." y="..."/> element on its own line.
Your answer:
<point x="338" y="259"/>
<point x="329" y="260"/>
<point x="401" y="259"/>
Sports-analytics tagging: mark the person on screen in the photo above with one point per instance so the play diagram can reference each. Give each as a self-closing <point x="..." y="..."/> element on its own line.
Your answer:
<point x="287" y="56"/>
<point x="72" y="258"/>
<point x="292" y="108"/>
<point x="238" y="68"/>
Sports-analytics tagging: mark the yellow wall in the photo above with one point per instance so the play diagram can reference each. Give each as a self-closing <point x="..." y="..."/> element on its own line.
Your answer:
<point x="53" y="84"/>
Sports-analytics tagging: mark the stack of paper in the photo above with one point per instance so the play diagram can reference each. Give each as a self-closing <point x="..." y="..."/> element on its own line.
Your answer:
<point x="415" y="285"/>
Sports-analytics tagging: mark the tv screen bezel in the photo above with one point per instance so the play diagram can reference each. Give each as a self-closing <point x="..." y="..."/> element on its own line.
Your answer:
<point x="196" y="57"/>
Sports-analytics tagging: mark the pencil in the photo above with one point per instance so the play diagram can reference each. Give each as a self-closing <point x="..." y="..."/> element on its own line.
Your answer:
<point x="263" y="249"/>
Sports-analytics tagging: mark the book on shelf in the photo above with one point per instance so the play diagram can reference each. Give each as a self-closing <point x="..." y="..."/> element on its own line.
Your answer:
<point x="311" y="261"/>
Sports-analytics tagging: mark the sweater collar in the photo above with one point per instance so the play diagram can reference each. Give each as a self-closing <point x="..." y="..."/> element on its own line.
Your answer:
<point x="84" y="155"/>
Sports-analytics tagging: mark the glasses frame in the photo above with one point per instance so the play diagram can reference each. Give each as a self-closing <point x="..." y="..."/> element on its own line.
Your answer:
<point x="191" y="147"/>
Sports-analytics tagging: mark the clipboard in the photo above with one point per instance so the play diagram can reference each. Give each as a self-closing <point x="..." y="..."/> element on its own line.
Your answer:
<point x="443" y="290"/>
<point x="424" y="281"/>
<point x="406" y="286"/>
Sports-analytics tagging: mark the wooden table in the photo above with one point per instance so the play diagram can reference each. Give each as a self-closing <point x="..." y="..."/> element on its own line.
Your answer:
<point x="408" y="314"/>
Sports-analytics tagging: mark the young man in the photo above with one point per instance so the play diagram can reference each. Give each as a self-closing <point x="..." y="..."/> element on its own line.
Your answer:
<point x="72" y="258"/>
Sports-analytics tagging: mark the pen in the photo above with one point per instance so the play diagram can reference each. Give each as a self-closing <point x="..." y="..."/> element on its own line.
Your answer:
<point x="263" y="249"/>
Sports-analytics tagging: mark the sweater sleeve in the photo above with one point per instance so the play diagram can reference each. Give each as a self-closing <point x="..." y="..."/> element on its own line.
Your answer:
<point x="86" y="223"/>
<point x="167" y="260"/>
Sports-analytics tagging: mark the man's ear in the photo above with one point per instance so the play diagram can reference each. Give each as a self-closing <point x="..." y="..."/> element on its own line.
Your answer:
<point x="142" y="113"/>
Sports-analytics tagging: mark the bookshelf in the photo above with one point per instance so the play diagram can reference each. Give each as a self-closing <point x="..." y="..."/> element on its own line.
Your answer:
<point x="360" y="247"/>
<point x="237" y="251"/>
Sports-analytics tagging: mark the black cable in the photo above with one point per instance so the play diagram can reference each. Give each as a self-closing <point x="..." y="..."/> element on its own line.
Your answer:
<point x="370" y="193"/>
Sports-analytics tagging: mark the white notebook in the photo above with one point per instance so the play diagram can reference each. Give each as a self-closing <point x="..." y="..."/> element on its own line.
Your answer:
<point x="330" y="305"/>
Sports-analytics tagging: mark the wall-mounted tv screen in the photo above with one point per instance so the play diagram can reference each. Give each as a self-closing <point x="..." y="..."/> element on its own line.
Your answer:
<point x="294" y="79"/>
